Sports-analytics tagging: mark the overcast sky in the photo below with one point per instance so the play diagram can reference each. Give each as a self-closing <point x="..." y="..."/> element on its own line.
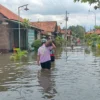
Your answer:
<point x="54" y="10"/>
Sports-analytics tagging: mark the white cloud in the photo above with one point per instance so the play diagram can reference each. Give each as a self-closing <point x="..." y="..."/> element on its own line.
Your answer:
<point x="44" y="10"/>
<point x="37" y="2"/>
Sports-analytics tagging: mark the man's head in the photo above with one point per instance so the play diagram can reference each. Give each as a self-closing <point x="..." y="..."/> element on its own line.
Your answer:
<point x="43" y="41"/>
<point x="48" y="43"/>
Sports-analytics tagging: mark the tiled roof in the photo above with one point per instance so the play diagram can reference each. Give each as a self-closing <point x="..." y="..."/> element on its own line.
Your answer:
<point x="63" y="31"/>
<point x="97" y="31"/>
<point x="8" y="14"/>
<point x="48" y="26"/>
<point x="89" y="32"/>
<point x="58" y="29"/>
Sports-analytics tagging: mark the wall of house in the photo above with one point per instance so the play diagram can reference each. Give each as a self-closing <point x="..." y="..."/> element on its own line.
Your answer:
<point x="23" y="40"/>
<point x="39" y="35"/>
<point x="56" y="28"/>
<point x="11" y="40"/>
<point x="9" y="36"/>
<point x="14" y="36"/>
<point x="31" y="38"/>
<point x="4" y="36"/>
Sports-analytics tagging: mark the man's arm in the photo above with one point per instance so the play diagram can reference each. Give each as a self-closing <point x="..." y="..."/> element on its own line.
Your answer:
<point x="53" y="45"/>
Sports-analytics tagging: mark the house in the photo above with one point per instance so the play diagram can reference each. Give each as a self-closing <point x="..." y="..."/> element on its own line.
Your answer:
<point x="9" y="31"/>
<point x="69" y="34"/>
<point x="59" y="30"/>
<point x="63" y="32"/>
<point x="48" y="27"/>
<point x="97" y="31"/>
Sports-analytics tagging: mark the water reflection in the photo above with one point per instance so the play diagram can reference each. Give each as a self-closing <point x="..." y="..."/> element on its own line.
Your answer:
<point x="97" y="53"/>
<point x="9" y="76"/>
<point x="47" y="83"/>
<point x="94" y="50"/>
<point x="87" y="50"/>
<point x="74" y="79"/>
<point x="58" y="52"/>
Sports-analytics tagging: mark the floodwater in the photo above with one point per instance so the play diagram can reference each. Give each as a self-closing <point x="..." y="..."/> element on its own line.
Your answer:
<point x="75" y="75"/>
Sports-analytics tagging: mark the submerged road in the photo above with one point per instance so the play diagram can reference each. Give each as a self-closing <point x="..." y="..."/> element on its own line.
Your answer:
<point x="75" y="77"/>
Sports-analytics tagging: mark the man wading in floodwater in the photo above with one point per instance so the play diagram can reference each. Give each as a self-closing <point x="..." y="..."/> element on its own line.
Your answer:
<point x="43" y="56"/>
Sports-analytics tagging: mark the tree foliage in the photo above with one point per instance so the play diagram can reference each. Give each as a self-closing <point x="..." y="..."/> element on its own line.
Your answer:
<point x="90" y="2"/>
<point x="18" y="54"/>
<point x="59" y="41"/>
<point x="36" y="44"/>
<point x="92" y="39"/>
<point x="26" y="23"/>
<point x="97" y="27"/>
<point x="77" y="31"/>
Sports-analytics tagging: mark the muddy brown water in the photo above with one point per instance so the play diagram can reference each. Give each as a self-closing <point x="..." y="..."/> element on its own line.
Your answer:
<point x="75" y="77"/>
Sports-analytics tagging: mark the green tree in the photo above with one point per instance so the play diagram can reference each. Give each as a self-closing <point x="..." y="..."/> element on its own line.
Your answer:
<point x="77" y="31"/>
<point x="36" y="44"/>
<point x="97" y="27"/>
<point x="90" y="2"/>
<point x="26" y="23"/>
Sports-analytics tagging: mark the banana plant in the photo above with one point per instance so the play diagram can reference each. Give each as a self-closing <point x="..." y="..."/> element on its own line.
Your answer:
<point x="18" y="54"/>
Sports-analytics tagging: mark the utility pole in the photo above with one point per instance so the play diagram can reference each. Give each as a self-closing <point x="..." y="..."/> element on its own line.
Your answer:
<point x="66" y="33"/>
<point x="66" y="24"/>
<point x="84" y="36"/>
<point x="94" y="18"/>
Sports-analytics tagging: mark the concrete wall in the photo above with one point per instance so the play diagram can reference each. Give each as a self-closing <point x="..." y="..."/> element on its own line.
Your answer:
<point x="31" y="38"/>
<point x="4" y="36"/>
<point x="9" y="36"/>
<point x="39" y="35"/>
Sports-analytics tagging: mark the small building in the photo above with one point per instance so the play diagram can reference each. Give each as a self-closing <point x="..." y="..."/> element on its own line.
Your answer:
<point x="68" y="35"/>
<point x="97" y="31"/>
<point x="48" y="27"/>
<point x="59" y="31"/>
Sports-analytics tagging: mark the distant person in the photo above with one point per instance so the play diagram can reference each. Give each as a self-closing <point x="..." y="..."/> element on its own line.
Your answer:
<point x="72" y="45"/>
<point x="43" y="56"/>
<point x="52" y="55"/>
<point x="52" y="52"/>
<point x="78" y="41"/>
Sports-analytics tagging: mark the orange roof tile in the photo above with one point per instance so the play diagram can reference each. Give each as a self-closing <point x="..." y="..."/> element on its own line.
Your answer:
<point x="63" y="31"/>
<point x="48" y="26"/>
<point x="9" y="14"/>
<point x="97" y="31"/>
<point x="58" y="29"/>
<point x="90" y="32"/>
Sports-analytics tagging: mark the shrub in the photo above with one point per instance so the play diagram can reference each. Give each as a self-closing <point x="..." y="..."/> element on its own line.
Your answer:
<point x="18" y="54"/>
<point x="36" y="44"/>
<point x="98" y="46"/>
<point x="87" y="51"/>
<point x="59" y="41"/>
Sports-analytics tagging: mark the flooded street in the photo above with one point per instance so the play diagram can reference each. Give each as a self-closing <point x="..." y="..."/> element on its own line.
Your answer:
<point x="75" y="77"/>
